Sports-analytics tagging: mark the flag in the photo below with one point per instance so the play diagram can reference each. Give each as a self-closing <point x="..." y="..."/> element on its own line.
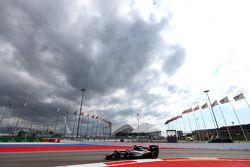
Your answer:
<point x="196" y="108"/>
<point x="224" y="100"/>
<point x="168" y="121"/>
<point x="204" y="106"/>
<point x="215" y="103"/>
<point x="239" y="97"/>
<point x="184" y="112"/>
<point x="187" y="111"/>
<point x="173" y="119"/>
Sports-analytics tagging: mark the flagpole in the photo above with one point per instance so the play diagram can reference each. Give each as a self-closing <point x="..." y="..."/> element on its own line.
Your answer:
<point x="74" y="124"/>
<point x="44" y="125"/>
<point x="109" y="126"/>
<point x="31" y="126"/>
<point x="190" y="124"/>
<point x="204" y="124"/>
<point x="176" y="129"/>
<point x="247" y="104"/>
<point x="179" y="125"/>
<point x="87" y="132"/>
<point x="225" y="123"/>
<point x="105" y="132"/>
<point x="217" y="126"/>
<point x="184" y="125"/>
<point x="102" y="128"/>
<point x="77" y="131"/>
<point x="197" y="126"/>
<point x="239" y="121"/>
<point x="58" y="109"/>
<point x="178" y="121"/>
<point x="45" y="119"/>
<point x="97" y="128"/>
<point x="212" y="118"/>
<point x="3" y="114"/>
<point x="35" y="106"/>
<point x="101" y="122"/>
<point x="65" y="124"/>
<point x="80" y="131"/>
<point x="175" y="125"/>
<point x="55" y="125"/>
<point x="19" y="115"/>
<point x="93" y="128"/>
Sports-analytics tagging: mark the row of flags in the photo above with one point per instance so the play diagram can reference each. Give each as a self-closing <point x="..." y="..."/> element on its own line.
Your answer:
<point x="173" y="119"/>
<point x="204" y="106"/>
<point x="25" y="104"/>
<point x="95" y="117"/>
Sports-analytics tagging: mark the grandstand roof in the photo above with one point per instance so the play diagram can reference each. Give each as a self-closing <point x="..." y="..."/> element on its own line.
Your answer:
<point x="124" y="129"/>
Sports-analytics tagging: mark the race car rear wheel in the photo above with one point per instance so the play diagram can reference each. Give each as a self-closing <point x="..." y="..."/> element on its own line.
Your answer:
<point x="117" y="155"/>
<point x="154" y="154"/>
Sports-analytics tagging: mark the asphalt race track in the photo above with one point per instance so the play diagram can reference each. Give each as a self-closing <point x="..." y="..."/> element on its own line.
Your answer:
<point x="48" y="159"/>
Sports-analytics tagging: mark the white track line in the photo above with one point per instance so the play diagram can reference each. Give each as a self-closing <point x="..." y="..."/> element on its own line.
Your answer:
<point x="86" y="165"/>
<point x="154" y="160"/>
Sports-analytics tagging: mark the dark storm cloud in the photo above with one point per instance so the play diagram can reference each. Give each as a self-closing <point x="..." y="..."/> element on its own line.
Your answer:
<point x="50" y="51"/>
<point x="174" y="60"/>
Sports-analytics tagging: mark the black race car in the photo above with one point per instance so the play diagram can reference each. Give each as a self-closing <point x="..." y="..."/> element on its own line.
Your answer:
<point x="136" y="152"/>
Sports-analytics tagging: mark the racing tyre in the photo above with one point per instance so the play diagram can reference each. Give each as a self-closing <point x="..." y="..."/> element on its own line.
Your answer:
<point x="126" y="156"/>
<point x="117" y="155"/>
<point x="154" y="154"/>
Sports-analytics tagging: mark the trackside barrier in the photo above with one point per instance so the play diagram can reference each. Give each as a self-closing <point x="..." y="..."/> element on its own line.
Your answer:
<point x="18" y="139"/>
<point x="53" y="140"/>
<point x="45" y="140"/>
<point x="29" y="139"/>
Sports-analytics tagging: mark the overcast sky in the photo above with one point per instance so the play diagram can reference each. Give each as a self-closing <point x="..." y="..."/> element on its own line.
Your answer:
<point x="153" y="58"/>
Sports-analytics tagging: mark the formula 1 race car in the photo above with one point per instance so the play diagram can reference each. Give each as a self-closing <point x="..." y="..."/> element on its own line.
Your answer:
<point x="136" y="152"/>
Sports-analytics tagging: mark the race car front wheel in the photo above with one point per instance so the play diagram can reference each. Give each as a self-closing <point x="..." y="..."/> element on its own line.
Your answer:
<point x="154" y="154"/>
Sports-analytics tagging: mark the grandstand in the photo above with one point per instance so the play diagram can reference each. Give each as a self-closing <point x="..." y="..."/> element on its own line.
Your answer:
<point x="128" y="132"/>
<point x="123" y="131"/>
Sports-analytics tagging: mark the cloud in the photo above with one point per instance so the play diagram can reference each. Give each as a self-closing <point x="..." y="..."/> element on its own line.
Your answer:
<point x="174" y="60"/>
<point x="49" y="52"/>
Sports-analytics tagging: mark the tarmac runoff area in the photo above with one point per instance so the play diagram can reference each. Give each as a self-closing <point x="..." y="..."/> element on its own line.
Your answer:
<point x="87" y="155"/>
